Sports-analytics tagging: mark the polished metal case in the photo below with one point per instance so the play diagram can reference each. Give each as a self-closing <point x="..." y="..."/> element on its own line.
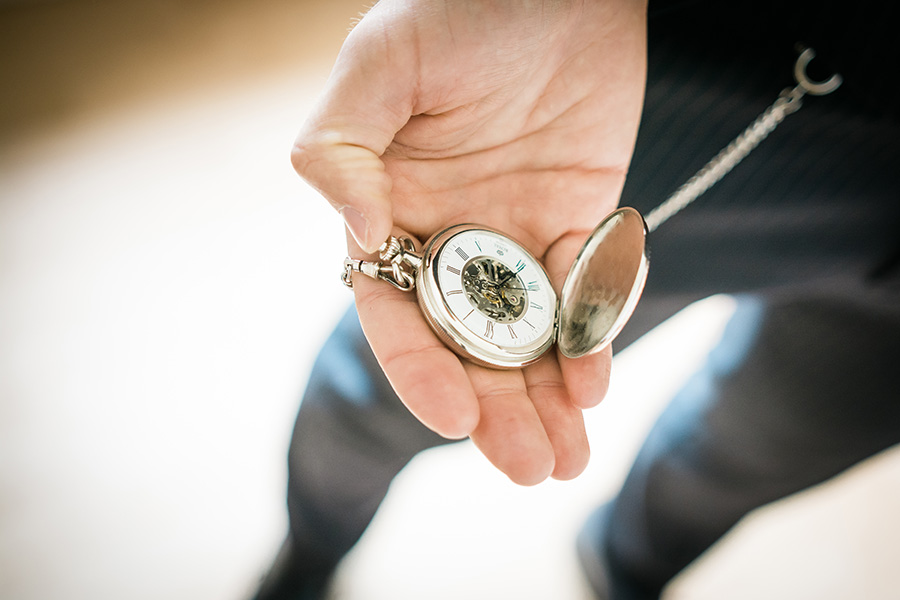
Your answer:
<point x="448" y="326"/>
<point x="604" y="284"/>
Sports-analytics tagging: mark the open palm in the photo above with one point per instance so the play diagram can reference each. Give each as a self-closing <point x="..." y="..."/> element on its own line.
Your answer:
<point x="517" y="115"/>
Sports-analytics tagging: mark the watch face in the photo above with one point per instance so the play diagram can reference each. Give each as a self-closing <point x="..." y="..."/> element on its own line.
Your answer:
<point x="489" y="295"/>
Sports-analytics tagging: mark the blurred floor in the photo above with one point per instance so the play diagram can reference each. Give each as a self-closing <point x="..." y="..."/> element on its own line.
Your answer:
<point x="165" y="281"/>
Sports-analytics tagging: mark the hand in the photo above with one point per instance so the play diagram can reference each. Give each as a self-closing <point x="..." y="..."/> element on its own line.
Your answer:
<point x="517" y="115"/>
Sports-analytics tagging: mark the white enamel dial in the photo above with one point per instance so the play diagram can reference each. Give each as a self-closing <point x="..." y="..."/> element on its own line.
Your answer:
<point x="487" y="296"/>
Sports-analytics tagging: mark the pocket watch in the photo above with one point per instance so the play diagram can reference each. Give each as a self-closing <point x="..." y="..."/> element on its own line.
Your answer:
<point x="490" y="300"/>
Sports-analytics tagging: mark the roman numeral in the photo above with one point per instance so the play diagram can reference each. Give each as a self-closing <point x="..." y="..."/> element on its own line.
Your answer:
<point x="453" y="270"/>
<point x="536" y="306"/>
<point x="489" y="330"/>
<point x="512" y="332"/>
<point x="454" y="292"/>
<point x="462" y="253"/>
<point x="519" y="266"/>
<point x="533" y="286"/>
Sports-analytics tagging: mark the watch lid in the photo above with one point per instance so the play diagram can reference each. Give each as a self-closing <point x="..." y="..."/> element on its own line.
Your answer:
<point x="604" y="284"/>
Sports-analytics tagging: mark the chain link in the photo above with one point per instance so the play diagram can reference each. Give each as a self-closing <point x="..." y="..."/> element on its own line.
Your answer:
<point x="398" y="264"/>
<point x="789" y="101"/>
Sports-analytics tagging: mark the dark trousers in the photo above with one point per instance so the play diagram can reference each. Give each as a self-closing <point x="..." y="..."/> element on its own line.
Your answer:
<point x="795" y="392"/>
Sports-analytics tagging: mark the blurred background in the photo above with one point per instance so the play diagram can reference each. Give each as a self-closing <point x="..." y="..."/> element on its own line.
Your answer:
<point x="165" y="283"/>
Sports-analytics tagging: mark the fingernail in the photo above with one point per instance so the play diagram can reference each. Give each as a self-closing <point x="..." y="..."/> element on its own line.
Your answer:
<point x="358" y="226"/>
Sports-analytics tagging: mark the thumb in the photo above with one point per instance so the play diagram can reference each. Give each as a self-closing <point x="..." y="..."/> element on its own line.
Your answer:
<point x="367" y="99"/>
<point x="353" y="180"/>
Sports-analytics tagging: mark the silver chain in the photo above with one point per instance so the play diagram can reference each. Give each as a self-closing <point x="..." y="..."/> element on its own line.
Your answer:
<point x="789" y="101"/>
<point x="397" y="264"/>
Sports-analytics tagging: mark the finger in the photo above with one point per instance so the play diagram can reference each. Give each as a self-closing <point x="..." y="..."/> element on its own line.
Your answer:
<point x="561" y="419"/>
<point x="428" y="378"/>
<point x="510" y="433"/>
<point x="587" y="377"/>
<point x="367" y="99"/>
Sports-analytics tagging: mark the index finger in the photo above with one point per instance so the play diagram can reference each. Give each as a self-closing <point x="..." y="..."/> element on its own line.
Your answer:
<point x="427" y="376"/>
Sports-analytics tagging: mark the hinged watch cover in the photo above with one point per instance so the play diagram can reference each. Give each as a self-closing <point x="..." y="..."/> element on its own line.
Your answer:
<point x="604" y="284"/>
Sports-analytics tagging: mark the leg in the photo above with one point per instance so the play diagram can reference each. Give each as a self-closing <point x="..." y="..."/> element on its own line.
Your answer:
<point x="352" y="436"/>
<point x="795" y="393"/>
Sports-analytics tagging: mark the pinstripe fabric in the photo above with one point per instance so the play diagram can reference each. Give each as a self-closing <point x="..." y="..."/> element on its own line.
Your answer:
<point x="802" y="384"/>
<point x="816" y="208"/>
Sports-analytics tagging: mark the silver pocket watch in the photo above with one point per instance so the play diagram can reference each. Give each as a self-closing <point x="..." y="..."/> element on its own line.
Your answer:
<point x="491" y="301"/>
